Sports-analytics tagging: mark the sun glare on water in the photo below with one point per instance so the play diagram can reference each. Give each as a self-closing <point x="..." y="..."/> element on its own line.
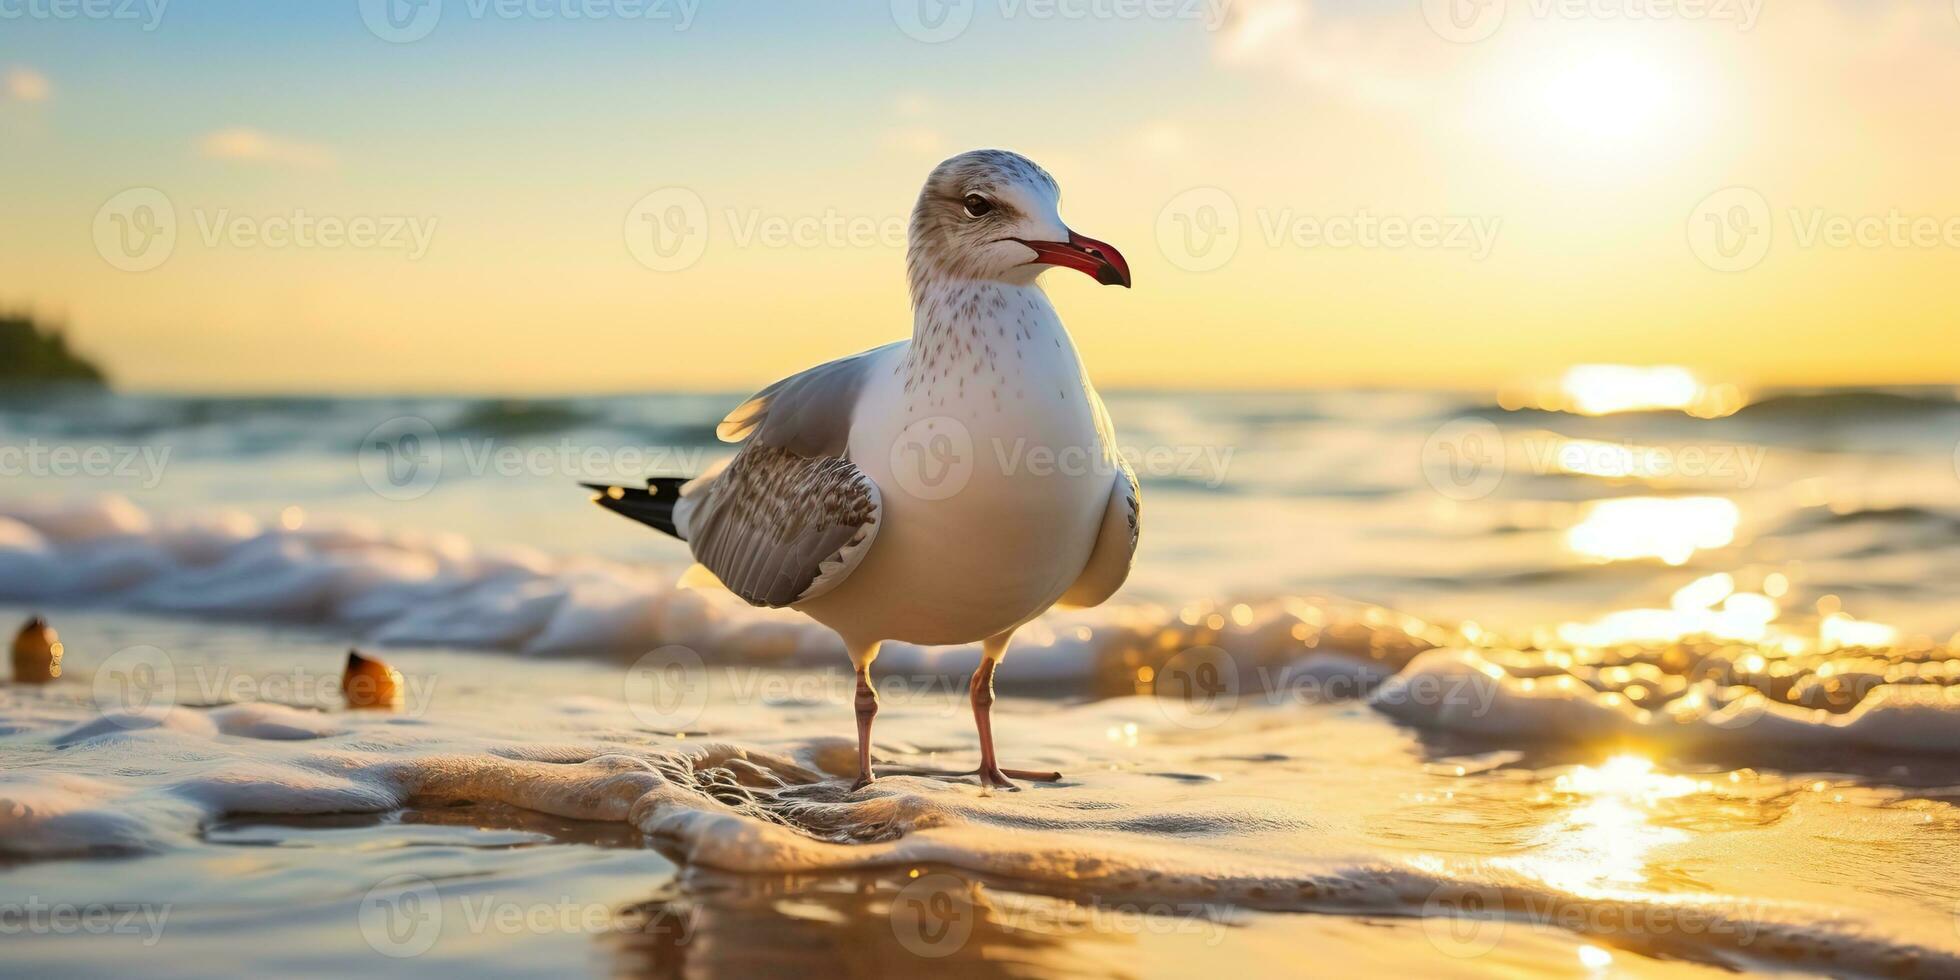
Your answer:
<point x="1607" y="389"/>
<point x="1671" y="529"/>
<point x="1605" y="839"/>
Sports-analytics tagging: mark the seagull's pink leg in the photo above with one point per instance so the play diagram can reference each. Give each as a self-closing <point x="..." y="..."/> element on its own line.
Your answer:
<point x="867" y="709"/>
<point x="981" y="692"/>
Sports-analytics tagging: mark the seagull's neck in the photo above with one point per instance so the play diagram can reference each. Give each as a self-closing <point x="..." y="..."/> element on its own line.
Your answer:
<point x="979" y="333"/>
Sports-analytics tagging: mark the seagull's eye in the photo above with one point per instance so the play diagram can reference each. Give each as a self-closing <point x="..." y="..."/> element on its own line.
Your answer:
<point x="977" y="205"/>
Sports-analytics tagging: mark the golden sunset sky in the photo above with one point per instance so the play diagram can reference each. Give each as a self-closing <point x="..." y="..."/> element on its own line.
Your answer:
<point x="1762" y="192"/>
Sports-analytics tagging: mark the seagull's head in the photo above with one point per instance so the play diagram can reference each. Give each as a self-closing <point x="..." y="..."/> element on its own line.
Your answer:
<point x="995" y="215"/>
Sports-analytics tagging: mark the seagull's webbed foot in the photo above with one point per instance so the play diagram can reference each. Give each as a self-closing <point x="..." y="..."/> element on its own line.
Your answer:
<point x="863" y="780"/>
<point x="997" y="777"/>
<point x="988" y="775"/>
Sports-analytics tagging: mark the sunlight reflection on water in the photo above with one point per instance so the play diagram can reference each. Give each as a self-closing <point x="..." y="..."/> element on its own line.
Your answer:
<point x="1671" y="529"/>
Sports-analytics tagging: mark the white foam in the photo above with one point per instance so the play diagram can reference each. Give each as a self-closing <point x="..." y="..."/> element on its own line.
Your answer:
<point x="1463" y="690"/>
<point x="405" y="588"/>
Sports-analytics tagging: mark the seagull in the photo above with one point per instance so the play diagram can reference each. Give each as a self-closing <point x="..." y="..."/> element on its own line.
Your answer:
<point x="946" y="489"/>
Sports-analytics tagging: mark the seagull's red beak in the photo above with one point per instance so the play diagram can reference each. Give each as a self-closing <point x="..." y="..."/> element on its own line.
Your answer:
<point x="1085" y="255"/>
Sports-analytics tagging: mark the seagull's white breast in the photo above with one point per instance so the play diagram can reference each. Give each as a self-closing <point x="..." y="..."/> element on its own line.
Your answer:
<point x="981" y="436"/>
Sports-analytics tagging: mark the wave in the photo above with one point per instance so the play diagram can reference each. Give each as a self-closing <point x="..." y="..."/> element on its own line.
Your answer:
<point x="289" y="423"/>
<point x="403" y="589"/>
<point x="415" y="589"/>
<point x="1849" y="406"/>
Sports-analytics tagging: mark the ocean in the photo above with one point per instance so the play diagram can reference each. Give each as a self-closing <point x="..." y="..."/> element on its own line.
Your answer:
<point x="1432" y="681"/>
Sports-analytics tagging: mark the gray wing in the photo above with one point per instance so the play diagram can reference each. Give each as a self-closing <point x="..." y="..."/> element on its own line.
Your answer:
<point x="808" y="414"/>
<point x="791" y="516"/>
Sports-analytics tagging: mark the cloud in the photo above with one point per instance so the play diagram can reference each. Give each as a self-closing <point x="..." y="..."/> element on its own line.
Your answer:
<point x="1380" y="58"/>
<point x="27" y="85"/>
<point x="249" y="145"/>
<point x="1160" y="137"/>
<point x="920" y="140"/>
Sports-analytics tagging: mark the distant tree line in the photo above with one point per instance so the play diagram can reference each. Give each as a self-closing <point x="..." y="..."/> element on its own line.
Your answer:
<point x="32" y="353"/>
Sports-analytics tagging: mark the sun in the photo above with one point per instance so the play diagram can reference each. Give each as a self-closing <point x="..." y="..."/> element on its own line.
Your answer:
<point x="1571" y="93"/>
<point x="1608" y="96"/>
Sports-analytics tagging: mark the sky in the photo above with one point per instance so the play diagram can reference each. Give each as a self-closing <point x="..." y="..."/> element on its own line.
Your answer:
<point x="533" y="196"/>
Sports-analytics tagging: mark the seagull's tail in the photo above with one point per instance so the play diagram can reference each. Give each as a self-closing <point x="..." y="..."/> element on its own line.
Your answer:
<point x="653" y="506"/>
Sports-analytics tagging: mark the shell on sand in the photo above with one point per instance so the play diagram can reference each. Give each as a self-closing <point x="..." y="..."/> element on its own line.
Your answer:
<point x="37" y="653"/>
<point x="369" y="683"/>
